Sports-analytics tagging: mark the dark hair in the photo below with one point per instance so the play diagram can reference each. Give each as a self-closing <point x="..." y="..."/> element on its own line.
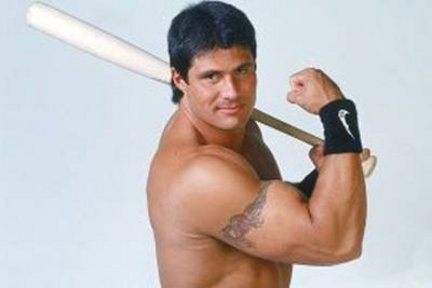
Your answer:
<point x="202" y="27"/>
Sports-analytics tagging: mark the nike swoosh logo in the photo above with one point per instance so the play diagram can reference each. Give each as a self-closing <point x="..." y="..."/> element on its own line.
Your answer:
<point x="342" y="117"/>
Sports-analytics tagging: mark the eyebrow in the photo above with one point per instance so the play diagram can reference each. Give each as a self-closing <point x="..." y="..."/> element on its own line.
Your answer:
<point x="206" y="73"/>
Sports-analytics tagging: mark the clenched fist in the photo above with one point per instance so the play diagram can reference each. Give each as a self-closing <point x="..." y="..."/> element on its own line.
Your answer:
<point x="312" y="89"/>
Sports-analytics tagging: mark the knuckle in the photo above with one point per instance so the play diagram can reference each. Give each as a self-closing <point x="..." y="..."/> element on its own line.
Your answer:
<point x="310" y="70"/>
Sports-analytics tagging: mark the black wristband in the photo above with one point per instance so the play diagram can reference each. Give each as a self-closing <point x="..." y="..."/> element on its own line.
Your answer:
<point x="341" y="132"/>
<point x="307" y="185"/>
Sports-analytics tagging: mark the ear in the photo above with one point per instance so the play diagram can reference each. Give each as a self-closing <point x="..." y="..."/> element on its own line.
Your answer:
<point x="178" y="81"/>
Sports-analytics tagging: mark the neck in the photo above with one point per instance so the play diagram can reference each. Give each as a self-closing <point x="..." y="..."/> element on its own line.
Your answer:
<point x="209" y="134"/>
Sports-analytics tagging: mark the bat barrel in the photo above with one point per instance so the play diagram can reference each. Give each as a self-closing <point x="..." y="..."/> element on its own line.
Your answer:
<point x="94" y="40"/>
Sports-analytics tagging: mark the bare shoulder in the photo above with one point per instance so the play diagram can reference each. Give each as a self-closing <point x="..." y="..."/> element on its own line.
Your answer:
<point x="214" y="168"/>
<point x="181" y="172"/>
<point x="216" y="162"/>
<point x="210" y="181"/>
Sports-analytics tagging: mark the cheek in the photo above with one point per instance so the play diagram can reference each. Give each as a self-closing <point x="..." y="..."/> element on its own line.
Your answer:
<point x="249" y="87"/>
<point x="202" y="98"/>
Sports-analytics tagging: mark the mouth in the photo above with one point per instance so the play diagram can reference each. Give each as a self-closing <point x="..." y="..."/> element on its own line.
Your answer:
<point x="229" y="109"/>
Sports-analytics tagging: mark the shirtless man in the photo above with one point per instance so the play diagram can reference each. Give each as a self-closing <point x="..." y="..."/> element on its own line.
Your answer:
<point x="221" y="215"/>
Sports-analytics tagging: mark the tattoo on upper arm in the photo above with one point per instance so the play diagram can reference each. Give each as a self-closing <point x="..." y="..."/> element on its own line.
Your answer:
<point x="240" y="224"/>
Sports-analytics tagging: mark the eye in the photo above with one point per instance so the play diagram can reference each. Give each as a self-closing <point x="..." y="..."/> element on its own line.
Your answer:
<point x="243" y="70"/>
<point x="211" y="76"/>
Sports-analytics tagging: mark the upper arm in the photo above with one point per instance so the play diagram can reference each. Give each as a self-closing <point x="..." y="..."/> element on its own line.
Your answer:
<point x="270" y="219"/>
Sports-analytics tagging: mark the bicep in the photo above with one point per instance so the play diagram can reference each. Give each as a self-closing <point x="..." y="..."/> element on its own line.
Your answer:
<point x="266" y="219"/>
<point x="275" y="225"/>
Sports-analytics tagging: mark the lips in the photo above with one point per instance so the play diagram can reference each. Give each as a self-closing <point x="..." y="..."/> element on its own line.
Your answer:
<point x="229" y="109"/>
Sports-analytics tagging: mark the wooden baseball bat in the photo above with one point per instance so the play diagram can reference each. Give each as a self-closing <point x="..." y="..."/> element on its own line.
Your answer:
<point x="106" y="46"/>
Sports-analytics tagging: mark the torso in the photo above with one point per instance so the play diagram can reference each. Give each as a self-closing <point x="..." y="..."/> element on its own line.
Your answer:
<point x="187" y="258"/>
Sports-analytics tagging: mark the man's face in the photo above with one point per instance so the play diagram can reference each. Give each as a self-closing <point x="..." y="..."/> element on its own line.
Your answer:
<point x="221" y="87"/>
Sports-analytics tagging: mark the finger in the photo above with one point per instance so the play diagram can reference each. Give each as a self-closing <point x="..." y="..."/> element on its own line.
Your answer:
<point x="320" y="149"/>
<point x="365" y="154"/>
<point x="316" y="154"/>
<point x="317" y="150"/>
<point x="296" y="82"/>
<point x="292" y="97"/>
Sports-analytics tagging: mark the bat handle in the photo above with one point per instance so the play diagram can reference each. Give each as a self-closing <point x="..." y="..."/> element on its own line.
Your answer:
<point x="286" y="128"/>
<point x="368" y="165"/>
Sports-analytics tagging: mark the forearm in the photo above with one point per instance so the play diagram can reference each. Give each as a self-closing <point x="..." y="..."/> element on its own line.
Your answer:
<point x="338" y="205"/>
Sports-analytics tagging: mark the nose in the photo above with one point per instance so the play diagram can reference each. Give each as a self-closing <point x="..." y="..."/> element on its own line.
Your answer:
<point x="229" y="88"/>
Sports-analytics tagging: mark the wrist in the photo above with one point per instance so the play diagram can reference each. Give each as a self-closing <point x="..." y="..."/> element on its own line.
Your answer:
<point x="341" y="131"/>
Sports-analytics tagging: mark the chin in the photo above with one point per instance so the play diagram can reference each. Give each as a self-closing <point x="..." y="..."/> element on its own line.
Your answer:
<point x="232" y="123"/>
